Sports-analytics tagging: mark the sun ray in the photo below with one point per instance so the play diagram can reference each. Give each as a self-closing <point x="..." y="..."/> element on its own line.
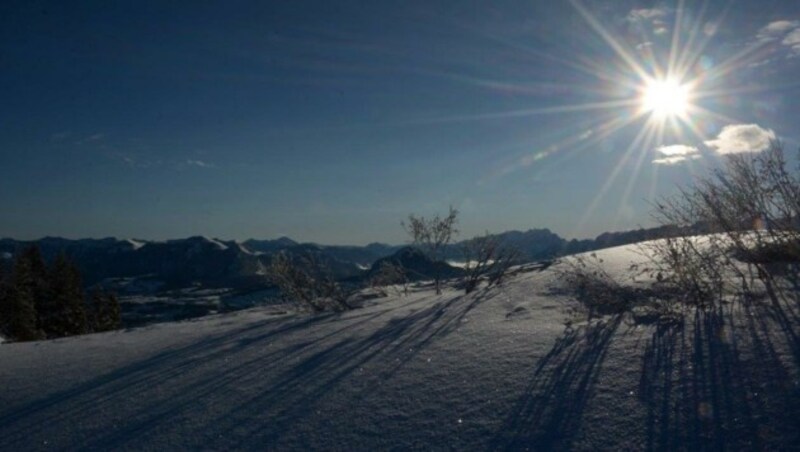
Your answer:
<point x="674" y="49"/>
<point x="600" y="133"/>
<point x="503" y="85"/>
<point x="647" y="143"/>
<point x="698" y="110"/>
<point x="601" y="71"/>
<point x="609" y="39"/>
<point x="710" y="94"/>
<point x="600" y="130"/>
<point x="692" y="51"/>
<point x="611" y="178"/>
<point x="576" y="108"/>
<point x="736" y="61"/>
<point x="654" y="179"/>
<point x="532" y="52"/>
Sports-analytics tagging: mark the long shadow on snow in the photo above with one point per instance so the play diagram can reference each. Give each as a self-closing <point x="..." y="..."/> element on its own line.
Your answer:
<point x="284" y="382"/>
<point x="292" y="395"/>
<point x="550" y="411"/>
<point x="722" y="382"/>
<point x="725" y="379"/>
<point x="20" y="423"/>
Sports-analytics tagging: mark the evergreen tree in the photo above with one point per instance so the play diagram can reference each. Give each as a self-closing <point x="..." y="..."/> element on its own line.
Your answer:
<point x="5" y="272"/>
<point x="5" y="287"/>
<point x="39" y="280"/>
<point x="17" y="310"/>
<point x="63" y="313"/>
<point x="104" y="312"/>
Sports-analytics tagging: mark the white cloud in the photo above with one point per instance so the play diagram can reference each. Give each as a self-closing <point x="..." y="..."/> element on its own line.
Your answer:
<point x="776" y="30"/>
<point x="645" y="14"/>
<point x="781" y="34"/>
<point x="660" y="30"/>
<point x="654" y="19"/>
<point x="677" y="149"/>
<point x="792" y="40"/>
<point x="676" y="153"/>
<point x="738" y="138"/>
<point x="674" y="160"/>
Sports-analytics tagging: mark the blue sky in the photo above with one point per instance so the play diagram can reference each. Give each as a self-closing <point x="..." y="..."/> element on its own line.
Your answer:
<point x="332" y="121"/>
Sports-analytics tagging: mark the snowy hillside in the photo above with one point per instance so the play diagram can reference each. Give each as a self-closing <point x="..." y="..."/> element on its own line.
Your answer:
<point x="496" y="369"/>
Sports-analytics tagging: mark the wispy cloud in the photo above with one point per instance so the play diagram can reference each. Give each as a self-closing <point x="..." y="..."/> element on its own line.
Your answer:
<point x="91" y="139"/>
<point x="711" y="28"/>
<point x="738" y="138"/>
<point x="530" y="159"/>
<point x="199" y="163"/>
<point x="641" y="14"/>
<point x="774" y="31"/>
<point x="132" y="160"/>
<point x="676" y="153"/>
<point x="792" y="40"/>
<point x="654" y="19"/>
<point x="784" y="35"/>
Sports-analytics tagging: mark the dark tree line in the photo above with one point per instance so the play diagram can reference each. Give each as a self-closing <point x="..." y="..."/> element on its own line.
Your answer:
<point x="40" y="301"/>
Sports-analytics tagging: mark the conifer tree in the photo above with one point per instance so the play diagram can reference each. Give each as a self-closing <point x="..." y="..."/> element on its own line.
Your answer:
<point x="17" y="310"/>
<point x="104" y="313"/>
<point x="5" y="287"/>
<point x="5" y="272"/>
<point x="63" y="313"/>
<point x="39" y="281"/>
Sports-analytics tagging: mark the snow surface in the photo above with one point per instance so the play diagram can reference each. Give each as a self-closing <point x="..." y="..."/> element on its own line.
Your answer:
<point x="463" y="264"/>
<point x="216" y="243"/>
<point x="136" y="244"/>
<point x="244" y="249"/>
<point x="496" y="369"/>
<point x="188" y="303"/>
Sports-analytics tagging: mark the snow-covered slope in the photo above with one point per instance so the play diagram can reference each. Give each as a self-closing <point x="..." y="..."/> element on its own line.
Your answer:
<point x="493" y="370"/>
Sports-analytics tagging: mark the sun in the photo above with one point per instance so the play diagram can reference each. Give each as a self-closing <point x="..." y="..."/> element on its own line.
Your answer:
<point x="665" y="98"/>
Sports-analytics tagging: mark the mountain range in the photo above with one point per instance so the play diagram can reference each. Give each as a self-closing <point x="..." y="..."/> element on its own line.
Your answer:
<point x="206" y="262"/>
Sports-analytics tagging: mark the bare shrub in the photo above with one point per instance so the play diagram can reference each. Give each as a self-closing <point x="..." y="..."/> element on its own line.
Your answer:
<point x="602" y="294"/>
<point x="736" y="234"/>
<point x="432" y="235"/>
<point x="308" y="281"/>
<point x="486" y="258"/>
<point x="749" y="211"/>
<point x="593" y="285"/>
<point x="693" y="266"/>
<point x="390" y="275"/>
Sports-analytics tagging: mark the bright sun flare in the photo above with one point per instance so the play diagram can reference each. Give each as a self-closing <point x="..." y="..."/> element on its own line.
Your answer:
<point x="665" y="98"/>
